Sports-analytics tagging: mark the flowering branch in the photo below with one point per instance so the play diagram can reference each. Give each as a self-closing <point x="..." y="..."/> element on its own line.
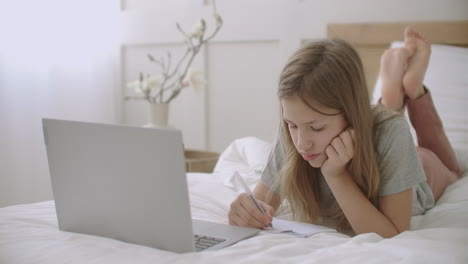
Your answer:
<point x="164" y="87"/>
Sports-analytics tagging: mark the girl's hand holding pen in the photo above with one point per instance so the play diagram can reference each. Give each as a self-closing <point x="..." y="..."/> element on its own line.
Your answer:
<point x="243" y="212"/>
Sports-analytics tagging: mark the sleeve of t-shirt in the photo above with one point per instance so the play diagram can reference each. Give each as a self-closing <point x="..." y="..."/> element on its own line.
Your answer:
<point x="400" y="168"/>
<point x="270" y="174"/>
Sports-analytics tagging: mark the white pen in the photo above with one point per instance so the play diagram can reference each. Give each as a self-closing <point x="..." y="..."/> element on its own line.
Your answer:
<point x="249" y="192"/>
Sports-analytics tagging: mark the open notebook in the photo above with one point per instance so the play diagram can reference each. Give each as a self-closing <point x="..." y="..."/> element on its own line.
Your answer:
<point x="281" y="226"/>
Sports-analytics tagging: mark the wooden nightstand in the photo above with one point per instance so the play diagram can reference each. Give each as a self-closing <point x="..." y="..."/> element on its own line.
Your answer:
<point x="200" y="161"/>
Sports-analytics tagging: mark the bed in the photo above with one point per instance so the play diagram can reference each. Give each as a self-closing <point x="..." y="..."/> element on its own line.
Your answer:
<point x="29" y="233"/>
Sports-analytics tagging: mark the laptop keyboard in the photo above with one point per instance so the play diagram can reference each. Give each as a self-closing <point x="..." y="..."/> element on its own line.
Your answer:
<point x="204" y="242"/>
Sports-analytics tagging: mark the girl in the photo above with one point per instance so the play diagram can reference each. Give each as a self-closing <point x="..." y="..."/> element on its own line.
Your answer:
<point x="340" y="162"/>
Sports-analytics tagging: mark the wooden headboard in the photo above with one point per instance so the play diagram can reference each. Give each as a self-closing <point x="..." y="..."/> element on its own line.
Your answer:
<point x="371" y="39"/>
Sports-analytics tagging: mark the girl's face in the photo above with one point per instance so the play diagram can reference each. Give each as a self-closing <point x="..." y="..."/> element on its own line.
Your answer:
<point x="311" y="131"/>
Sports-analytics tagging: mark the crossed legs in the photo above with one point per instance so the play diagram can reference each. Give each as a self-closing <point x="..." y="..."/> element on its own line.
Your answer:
<point x="402" y="71"/>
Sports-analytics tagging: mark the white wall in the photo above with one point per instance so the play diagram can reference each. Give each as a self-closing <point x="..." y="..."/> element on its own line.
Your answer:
<point x="58" y="60"/>
<point x="243" y="62"/>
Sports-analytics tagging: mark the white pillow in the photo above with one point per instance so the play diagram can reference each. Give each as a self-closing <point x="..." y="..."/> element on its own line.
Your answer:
<point x="447" y="79"/>
<point x="248" y="156"/>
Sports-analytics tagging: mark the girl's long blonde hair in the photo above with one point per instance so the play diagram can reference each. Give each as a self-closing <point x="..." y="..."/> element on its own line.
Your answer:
<point x="330" y="72"/>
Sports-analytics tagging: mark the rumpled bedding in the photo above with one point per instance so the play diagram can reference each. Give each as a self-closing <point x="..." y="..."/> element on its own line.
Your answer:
<point x="29" y="233"/>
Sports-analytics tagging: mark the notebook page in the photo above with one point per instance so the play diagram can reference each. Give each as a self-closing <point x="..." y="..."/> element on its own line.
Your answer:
<point x="296" y="228"/>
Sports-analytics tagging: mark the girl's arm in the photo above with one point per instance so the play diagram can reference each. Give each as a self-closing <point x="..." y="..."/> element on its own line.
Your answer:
<point x="263" y="193"/>
<point x="394" y="215"/>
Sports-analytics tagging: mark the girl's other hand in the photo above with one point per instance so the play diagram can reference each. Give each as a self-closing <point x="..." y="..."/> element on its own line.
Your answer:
<point x="340" y="151"/>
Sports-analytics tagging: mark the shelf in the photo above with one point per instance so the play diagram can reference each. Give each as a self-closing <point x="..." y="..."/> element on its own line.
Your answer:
<point x="200" y="161"/>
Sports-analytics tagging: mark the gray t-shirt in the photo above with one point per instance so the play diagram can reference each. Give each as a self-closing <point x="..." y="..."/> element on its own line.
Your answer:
<point x="400" y="168"/>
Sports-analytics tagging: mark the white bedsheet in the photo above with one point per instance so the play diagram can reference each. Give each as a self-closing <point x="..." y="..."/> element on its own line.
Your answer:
<point x="29" y="234"/>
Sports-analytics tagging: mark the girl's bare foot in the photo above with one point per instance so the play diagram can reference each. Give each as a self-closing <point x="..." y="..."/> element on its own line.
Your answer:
<point x="420" y="49"/>
<point x="393" y="65"/>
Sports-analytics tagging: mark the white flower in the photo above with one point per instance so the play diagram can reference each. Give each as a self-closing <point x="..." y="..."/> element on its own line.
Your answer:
<point x="198" y="29"/>
<point x="153" y="82"/>
<point x="135" y="86"/>
<point x="145" y="84"/>
<point x="195" y="79"/>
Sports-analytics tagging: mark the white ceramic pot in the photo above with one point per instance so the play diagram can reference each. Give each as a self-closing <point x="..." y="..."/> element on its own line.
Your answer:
<point x="158" y="115"/>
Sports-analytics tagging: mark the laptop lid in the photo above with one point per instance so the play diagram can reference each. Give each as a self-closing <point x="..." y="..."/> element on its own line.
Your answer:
<point x="121" y="182"/>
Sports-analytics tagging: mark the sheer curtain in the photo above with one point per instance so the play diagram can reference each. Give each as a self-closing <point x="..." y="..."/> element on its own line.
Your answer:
<point x="58" y="59"/>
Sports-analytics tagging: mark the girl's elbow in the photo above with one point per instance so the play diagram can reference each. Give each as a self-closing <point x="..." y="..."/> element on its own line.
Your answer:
<point x="396" y="232"/>
<point x="390" y="235"/>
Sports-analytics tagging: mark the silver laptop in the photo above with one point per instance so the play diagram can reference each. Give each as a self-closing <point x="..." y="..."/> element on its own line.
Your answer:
<point x="127" y="183"/>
